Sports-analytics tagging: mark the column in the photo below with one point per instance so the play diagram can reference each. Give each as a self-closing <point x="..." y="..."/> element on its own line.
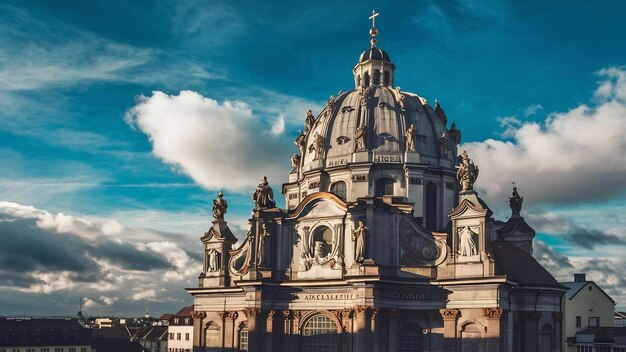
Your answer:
<point x="531" y="331"/>
<point x="449" y="317"/>
<point x="222" y="341"/>
<point x="348" y="336"/>
<point x="253" y="335"/>
<point x="295" y="330"/>
<point x="362" y="330"/>
<point x="374" y="334"/>
<point x="230" y="329"/>
<point x="286" y="329"/>
<point x="269" y="330"/>
<point x="494" y="340"/>
<point x="392" y="334"/>
<point x="199" y="333"/>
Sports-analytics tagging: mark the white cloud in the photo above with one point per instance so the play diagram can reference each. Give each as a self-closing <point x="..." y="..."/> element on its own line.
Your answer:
<point x="278" y="127"/>
<point x="573" y="156"/>
<point x="532" y="109"/>
<point x="219" y="145"/>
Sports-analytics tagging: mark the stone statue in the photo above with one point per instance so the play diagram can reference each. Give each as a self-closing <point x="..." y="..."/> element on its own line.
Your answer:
<point x="261" y="249"/>
<point x="359" y="135"/>
<point x="440" y="113"/>
<point x="219" y="207"/>
<point x="213" y="261"/>
<point x="300" y="142"/>
<point x="318" y="145"/>
<point x="515" y="202"/>
<point x="264" y="195"/>
<point x="467" y="245"/>
<point x="400" y="98"/>
<point x="466" y="173"/>
<point x="309" y="121"/>
<point x="295" y="162"/>
<point x="456" y="134"/>
<point x="409" y="137"/>
<point x="443" y="145"/>
<point x="363" y="97"/>
<point x="358" y="236"/>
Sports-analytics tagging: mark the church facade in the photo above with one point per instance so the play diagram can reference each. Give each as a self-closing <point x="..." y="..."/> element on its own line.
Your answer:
<point x="383" y="244"/>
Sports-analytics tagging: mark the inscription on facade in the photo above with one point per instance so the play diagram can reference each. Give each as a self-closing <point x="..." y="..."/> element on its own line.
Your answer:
<point x="325" y="296"/>
<point x="408" y="296"/>
<point x="388" y="159"/>
<point x="337" y="162"/>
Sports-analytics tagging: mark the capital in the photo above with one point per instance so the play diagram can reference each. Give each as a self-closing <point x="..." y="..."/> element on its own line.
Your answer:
<point x="493" y="313"/>
<point x="449" y="314"/>
<point x="251" y="312"/>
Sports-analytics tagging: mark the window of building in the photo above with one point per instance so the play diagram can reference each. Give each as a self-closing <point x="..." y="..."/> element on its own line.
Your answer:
<point x="178" y="336"/>
<point x="579" y="321"/>
<point x="384" y="187"/>
<point x="83" y="349"/>
<point x="387" y="78"/>
<point x="243" y="339"/>
<point x="366" y="79"/>
<point x="430" y="212"/>
<point x="339" y="188"/>
<point x="171" y="335"/>
<point x="594" y="321"/>
<point x="186" y="336"/>
<point x="410" y="339"/>
<point x="72" y="349"/>
<point x="320" y="334"/>
<point x="376" y="77"/>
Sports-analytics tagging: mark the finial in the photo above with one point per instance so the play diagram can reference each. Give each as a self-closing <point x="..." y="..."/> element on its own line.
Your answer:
<point x="220" y="206"/>
<point x="515" y="202"/>
<point x="373" y="30"/>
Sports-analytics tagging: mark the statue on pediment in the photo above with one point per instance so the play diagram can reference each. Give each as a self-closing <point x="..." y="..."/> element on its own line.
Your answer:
<point x="264" y="195"/>
<point x="515" y="202"/>
<point x="467" y="173"/>
<point x="309" y="121"/>
<point x="358" y="236"/>
<point x="318" y="145"/>
<point x="400" y="97"/>
<point x="409" y="137"/>
<point x="455" y="133"/>
<point x="295" y="162"/>
<point x="220" y="206"/>
<point x="300" y="142"/>
<point x="443" y="145"/>
<point x="359" y="135"/>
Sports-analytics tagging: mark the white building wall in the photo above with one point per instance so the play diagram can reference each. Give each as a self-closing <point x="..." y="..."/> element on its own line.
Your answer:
<point x="182" y="338"/>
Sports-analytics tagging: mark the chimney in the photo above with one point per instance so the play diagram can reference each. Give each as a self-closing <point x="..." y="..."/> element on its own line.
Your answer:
<point x="580" y="277"/>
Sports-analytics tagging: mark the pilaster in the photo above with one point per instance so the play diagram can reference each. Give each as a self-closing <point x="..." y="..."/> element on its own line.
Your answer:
<point x="531" y="331"/>
<point x="494" y="328"/>
<point x="253" y="331"/>
<point x="393" y="315"/>
<point x="362" y="330"/>
<point x="269" y="330"/>
<point x="450" y="317"/>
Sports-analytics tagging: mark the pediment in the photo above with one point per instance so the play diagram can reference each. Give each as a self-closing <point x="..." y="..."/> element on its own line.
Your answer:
<point x="470" y="206"/>
<point x="320" y="205"/>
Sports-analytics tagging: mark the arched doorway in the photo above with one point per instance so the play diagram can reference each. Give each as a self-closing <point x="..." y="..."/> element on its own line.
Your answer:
<point x="472" y="338"/>
<point x="410" y="339"/>
<point x="320" y="334"/>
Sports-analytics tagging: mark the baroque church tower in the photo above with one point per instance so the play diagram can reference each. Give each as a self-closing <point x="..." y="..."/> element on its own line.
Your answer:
<point x="383" y="244"/>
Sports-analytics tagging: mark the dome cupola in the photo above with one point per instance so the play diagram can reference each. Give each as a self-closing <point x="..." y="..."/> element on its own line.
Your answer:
<point x="374" y="67"/>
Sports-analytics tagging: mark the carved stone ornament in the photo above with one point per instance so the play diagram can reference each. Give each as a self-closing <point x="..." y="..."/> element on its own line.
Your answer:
<point x="467" y="173"/>
<point x="264" y="195"/>
<point x="286" y="314"/>
<point x="467" y="242"/>
<point x="318" y="146"/>
<point x="213" y="260"/>
<point x="222" y="315"/>
<point x="295" y="162"/>
<point x="251" y="312"/>
<point x="270" y="314"/>
<point x="493" y="313"/>
<point x="198" y="315"/>
<point x="374" y="312"/>
<point x="220" y="206"/>
<point x="359" y="135"/>
<point x="317" y="252"/>
<point x="409" y="137"/>
<point x="449" y="314"/>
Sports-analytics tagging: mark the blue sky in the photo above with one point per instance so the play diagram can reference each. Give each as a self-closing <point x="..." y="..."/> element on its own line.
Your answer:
<point x="84" y="133"/>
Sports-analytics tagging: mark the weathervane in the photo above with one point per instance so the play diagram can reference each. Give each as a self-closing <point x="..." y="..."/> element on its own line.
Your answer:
<point x="374" y="30"/>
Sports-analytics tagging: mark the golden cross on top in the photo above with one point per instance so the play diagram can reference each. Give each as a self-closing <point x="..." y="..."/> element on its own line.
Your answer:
<point x="373" y="18"/>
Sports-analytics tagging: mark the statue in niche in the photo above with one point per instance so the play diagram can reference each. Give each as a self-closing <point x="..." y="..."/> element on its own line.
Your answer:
<point x="467" y="244"/>
<point x="443" y="145"/>
<point x="515" y="202"/>
<point x="220" y="206"/>
<point x="318" y="145"/>
<point x="400" y="98"/>
<point x="295" y="162"/>
<point x="261" y="248"/>
<point x="359" y="135"/>
<point x="300" y="142"/>
<point x="466" y="173"/>
<point x="455" y="133"/>
<point x="409" y="137"/>
<point x="309" y="121"/>
<point x="213" y="262"/>
<point x="363" y="97"/>
<point x="358" y="236"/>
<point x="264" y="195"/>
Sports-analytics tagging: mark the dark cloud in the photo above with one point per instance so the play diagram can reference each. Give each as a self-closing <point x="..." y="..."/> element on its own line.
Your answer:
<point x="590" y="238"/>
<point x="129" y="257"/>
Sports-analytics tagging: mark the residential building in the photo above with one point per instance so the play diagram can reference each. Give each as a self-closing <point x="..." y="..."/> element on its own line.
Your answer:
<point x="180" y="331"/>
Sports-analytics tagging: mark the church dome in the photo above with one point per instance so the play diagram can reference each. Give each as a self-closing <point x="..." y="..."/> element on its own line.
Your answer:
<point x="374" y="54"/>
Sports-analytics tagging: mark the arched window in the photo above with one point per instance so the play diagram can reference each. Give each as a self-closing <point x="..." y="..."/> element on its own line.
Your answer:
<point x="339" y="188"/>
<point x="212" y="334"/>
<point x="410" y="339"/>
<point x="320" y="334"/>
<point x="366" y="79"/>
<point x="243" y="338"/>
<point x="376" y="77"/>
<point x="430" y="212"/>
<point x="546" y="338"/>
<point x="384" y="187"/>
<point x="387" y="82"/>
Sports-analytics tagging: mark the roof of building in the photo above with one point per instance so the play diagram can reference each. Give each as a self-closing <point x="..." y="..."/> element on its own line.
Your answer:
<point x="574" y="287"/>
<point x="43" y="332"/>
<point x="158" y="333"/>
<point x="374" y="54"/>
<point x="184" y="312"/>
<point x="620" y="315"/>
<point x="166" y="316"/>
<point x="113" y="332"/>
<point x="519" y="266"/>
